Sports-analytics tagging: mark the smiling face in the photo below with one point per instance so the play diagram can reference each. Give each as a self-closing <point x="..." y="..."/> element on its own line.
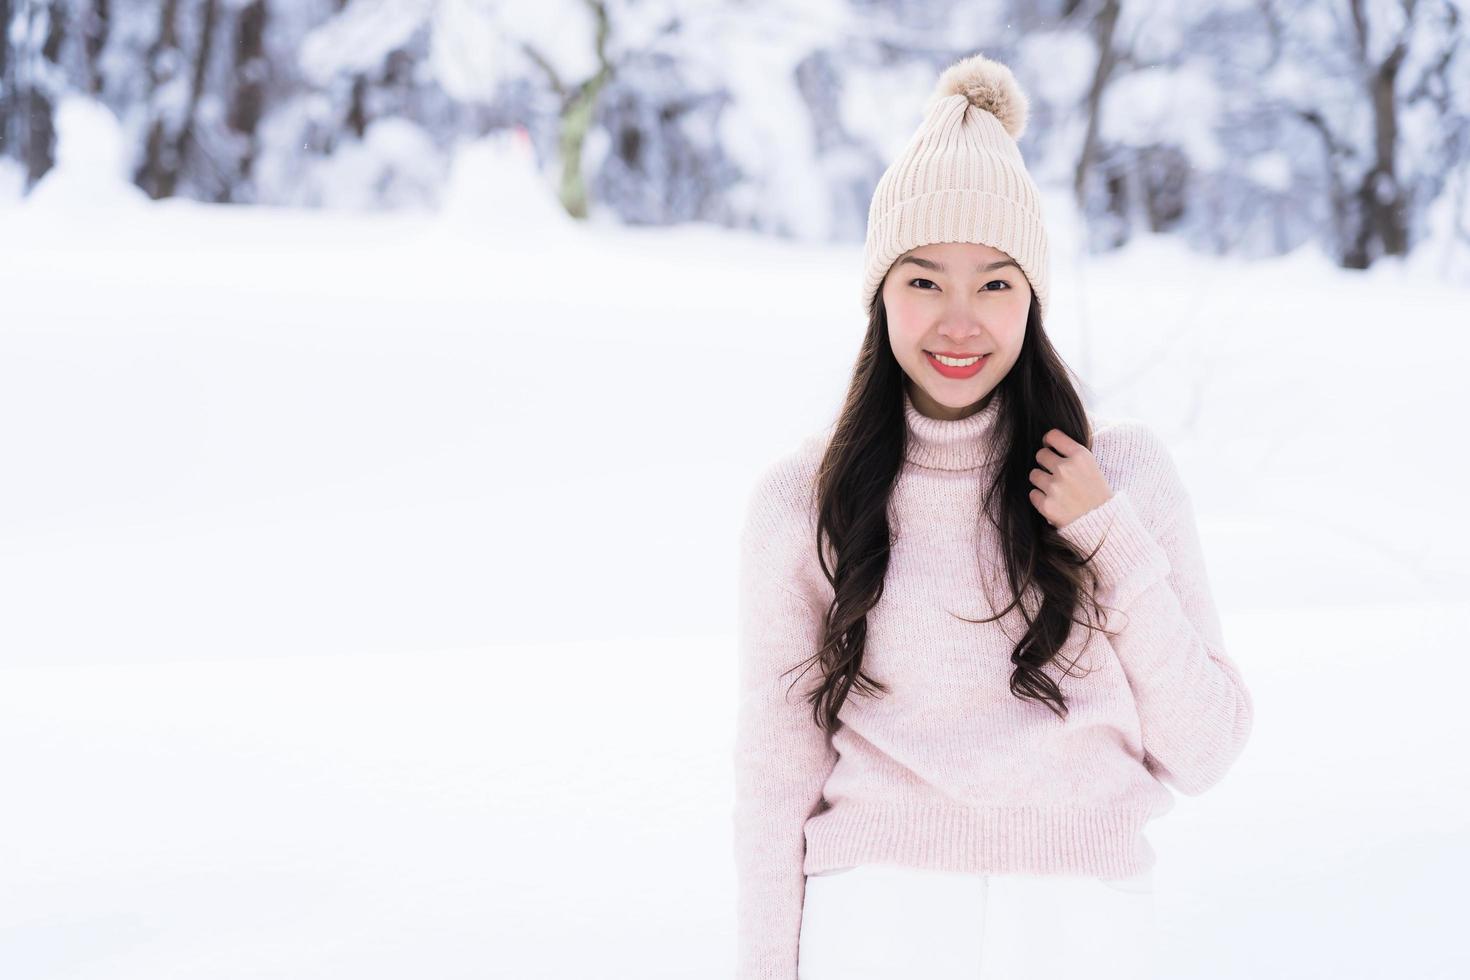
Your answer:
<point x="960" y="299"/>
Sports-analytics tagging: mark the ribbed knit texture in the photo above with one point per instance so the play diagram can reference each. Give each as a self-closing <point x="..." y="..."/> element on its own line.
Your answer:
<point x="949" y="770"/>
<point x="960" y="179"/>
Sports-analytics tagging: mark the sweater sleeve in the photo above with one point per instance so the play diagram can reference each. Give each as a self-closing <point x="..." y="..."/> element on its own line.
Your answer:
<point x="781" y="758"/>
<point x="1193" y="705"/>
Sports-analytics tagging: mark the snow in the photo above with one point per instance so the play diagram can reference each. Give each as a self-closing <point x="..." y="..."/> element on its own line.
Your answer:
<point x="880" y="106"/>
<point x="394" y="164"/>
<point x="1271" y="169"/>
<point x="90" y="174"/>
<point x="473" y="44"/>
<point x="1070" y="58"/>
<point x="1166" y="105"/>
<point x="361" y="36"/>
<point x="495" y="186"/>
<point x="370" y="582"/>
<point x="751" y="53"/>
<point x="12" y="182"/>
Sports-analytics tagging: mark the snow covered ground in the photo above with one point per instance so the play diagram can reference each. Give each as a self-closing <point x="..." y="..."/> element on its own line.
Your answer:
<point x="369" y="583"/>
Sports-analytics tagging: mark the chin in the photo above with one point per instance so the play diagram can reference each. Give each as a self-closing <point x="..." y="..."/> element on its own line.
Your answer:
<point x="957" y="397"/>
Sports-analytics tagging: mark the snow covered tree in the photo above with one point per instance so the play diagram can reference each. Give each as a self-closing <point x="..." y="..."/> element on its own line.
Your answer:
<point x="1243" y="126"/>
<point x="32" y="81"/>
<point x="1387" y="100"/>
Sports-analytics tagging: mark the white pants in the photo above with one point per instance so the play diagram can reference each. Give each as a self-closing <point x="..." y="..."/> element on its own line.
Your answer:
<point x="884" y="922"/>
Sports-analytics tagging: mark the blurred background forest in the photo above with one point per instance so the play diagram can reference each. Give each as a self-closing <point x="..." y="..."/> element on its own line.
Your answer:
<point x="1244" y="126"/>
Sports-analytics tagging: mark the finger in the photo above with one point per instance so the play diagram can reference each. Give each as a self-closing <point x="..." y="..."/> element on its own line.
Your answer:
<point x="1037" y="499"/>
<point x="1060" y="441"/>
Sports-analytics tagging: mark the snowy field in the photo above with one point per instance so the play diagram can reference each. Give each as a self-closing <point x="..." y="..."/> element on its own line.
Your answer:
<point x="369" y="583"/>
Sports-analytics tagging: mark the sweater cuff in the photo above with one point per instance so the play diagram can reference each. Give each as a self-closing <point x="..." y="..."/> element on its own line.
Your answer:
<point x="1128" y="559"/>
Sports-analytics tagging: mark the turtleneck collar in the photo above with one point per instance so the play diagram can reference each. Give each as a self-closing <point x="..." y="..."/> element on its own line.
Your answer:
<point x="950" y="444"/>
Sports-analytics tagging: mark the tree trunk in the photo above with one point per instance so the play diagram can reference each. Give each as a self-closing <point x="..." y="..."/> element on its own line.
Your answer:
<point x="247" y="102"/>
<point x="38" y="100"/>
<point x="1379" y="198"/>
<point x="7" y="83"/>
<point x="162" y="63"/>
<point x="94" y="38"/>
<point x="576" y="119"/>
<point x="576" y="116"/>
<point x="196" y="89"/>
<point x="1103" y="28"/>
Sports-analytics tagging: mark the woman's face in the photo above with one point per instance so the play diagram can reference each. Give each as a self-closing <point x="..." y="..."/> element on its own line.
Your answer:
<point x="961" y="299"/>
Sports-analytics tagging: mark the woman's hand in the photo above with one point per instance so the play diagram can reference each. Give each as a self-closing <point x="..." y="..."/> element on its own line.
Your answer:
<point x="1068" y="482"/>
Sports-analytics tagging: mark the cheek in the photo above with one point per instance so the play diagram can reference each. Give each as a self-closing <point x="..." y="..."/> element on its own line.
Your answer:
<point x="903" y="326"/>
<point x="904" y="333"/>
<point x="1012" y="333"/>
<point x="893" y="305"/>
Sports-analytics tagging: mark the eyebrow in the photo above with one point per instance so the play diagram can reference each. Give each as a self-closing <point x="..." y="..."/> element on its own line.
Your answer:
<point x="939" y="266"/>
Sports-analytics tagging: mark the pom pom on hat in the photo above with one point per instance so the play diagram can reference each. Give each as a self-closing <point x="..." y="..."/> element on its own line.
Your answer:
<point x="988" y="85"/>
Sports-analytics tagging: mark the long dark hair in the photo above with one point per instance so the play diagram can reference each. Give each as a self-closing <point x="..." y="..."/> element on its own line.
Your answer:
<point x="857" y="474"/>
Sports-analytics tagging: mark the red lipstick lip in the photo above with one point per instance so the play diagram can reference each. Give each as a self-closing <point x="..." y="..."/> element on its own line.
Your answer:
<point x="960" y="373"/>
<point x="946" y="353"/>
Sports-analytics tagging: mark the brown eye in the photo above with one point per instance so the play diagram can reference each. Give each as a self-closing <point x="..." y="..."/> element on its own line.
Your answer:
<point x="912" y="281"/>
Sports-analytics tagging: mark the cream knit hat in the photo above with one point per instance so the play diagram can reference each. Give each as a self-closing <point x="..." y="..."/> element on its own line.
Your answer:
<point x="961" y="178"/>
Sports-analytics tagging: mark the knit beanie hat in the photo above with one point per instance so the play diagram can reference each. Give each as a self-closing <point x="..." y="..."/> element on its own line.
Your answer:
<point x="961" y="178"/>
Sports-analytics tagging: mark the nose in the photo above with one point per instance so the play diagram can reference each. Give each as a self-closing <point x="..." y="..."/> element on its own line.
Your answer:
<point x="960" y="328"/>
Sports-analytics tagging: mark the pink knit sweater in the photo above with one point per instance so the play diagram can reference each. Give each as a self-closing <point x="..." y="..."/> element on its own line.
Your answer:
<point x="950" y="770"/>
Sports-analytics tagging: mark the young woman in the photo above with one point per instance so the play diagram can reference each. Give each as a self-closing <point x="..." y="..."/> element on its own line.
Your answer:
<point x="999" y="605"/>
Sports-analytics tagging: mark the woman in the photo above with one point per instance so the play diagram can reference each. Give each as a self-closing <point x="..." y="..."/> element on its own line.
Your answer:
<point x="999" y="608"/>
